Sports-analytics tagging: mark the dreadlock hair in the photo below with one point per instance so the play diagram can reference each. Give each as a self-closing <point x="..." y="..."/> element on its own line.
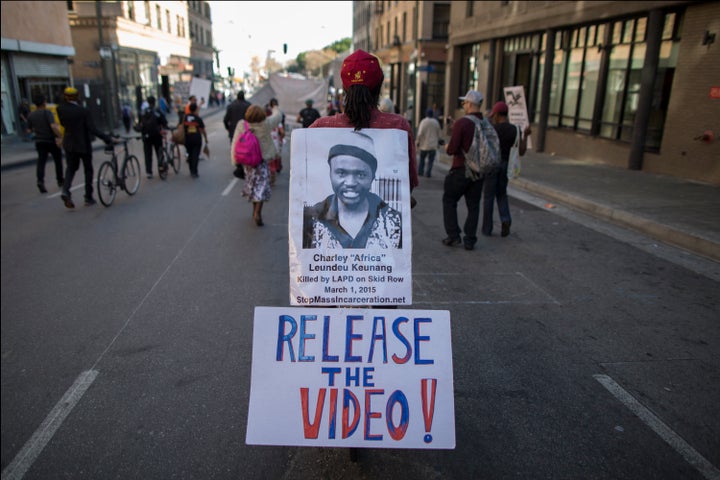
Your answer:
<point x="359" y="104"/>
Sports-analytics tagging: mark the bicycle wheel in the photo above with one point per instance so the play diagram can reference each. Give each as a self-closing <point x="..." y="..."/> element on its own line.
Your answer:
<point x="131" y="174"/>
<point x="175" y="159"/>
<point x="163" y="164"/>
<point x="106" y="183"/>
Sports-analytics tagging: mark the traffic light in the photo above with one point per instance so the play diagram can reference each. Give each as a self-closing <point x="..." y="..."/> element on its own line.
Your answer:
<point x="284" y="48"/>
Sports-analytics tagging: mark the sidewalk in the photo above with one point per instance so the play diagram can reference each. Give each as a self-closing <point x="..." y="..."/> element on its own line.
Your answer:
<point x="672" y="210"/>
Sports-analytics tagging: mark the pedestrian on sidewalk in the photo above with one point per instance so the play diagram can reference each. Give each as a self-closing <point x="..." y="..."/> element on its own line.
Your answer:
<point x="77" y="143"/>
<point x="42" y="124"/>
<point x="458" y="184"/>
<point x="127" y="118"/>
<point x="508" y="135"/>
<point x="428" y="141"/>
<point x="24" y="113"/>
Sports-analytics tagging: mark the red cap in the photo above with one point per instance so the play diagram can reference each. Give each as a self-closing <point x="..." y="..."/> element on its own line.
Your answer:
<point x="499" y="107"/>
<point x="361" y="68"/>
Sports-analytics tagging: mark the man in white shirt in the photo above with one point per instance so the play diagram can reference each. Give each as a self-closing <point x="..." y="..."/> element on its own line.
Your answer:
<point x="428" y="139"/>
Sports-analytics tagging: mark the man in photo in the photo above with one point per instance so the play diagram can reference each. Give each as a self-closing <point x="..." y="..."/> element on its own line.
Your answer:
<point x="352" y="217"/>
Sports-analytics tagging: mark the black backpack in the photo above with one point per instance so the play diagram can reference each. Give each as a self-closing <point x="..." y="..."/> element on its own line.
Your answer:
<point x="150" y="124"/>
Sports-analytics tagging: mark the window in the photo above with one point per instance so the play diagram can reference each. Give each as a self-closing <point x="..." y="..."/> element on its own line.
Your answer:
<point x="158" y="16"/>
<point x="469" y="9"/>
<point x="167" y="21"/>
<point x="441" y="21"/>
<point x="147" y="12"/>
<point x="469" y="61"/>
<point x="131" y="10"/>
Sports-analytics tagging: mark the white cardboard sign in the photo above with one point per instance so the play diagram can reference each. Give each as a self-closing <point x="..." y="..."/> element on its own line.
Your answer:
<point x="353" y="264"/>
<point x="517" y="108"/>
<point x="337" y="377"/>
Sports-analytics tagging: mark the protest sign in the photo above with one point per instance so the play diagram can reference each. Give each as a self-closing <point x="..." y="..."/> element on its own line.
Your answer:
<point x="337" y="377"/>
<point x="350" y="239"/>
<point x="517" y="108"/>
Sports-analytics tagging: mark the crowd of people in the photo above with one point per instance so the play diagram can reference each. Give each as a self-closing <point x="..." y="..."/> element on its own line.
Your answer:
<point x="361" y="108"/>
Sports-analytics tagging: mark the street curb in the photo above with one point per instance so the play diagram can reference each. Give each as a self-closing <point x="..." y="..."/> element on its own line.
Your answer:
<point x="673" y="236"/>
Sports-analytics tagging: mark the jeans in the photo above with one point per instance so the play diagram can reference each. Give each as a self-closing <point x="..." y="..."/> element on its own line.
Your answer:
<point x="430" y="154"/>
<point x="150" y="143"/>
<point x="501" y="196"/>
<point x="73" y="163"/>
<point x="44" y="149"/>
<point x="456" y="186"/>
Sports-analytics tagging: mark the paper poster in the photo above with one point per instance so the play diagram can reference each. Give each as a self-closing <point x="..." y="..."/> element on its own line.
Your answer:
<point x="335" y="377"/>
<point x="350" y="237"/>
<point x="517" y="108"/>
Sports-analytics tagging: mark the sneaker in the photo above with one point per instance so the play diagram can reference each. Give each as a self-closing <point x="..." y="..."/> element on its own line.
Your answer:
<point x="41" y="187"/>
<point x="194" y="175"/>
<point x="450" y="241"/>
<point x="505" y="229"/>
<point x="469" y="246"/>
<point x="149" y="176"/>
<point x="67" y="201"/>
<point x="90" y="201"/>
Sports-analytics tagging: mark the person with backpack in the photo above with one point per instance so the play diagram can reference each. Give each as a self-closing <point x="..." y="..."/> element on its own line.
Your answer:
<point x="48" y="139"/>
<point x="152" y="124"/>
<point x="257" y="187"/>
<point x="468" y="177"/>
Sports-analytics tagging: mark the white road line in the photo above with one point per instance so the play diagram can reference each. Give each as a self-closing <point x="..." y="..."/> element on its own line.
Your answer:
<point x="26" y="457"/>
<point x="229" y="187"/>
<point x="57" y="194"/>
<point x="692" y="456"/>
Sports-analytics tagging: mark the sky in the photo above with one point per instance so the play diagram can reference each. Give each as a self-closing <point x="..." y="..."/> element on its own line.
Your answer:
<point x="242" y="30"/>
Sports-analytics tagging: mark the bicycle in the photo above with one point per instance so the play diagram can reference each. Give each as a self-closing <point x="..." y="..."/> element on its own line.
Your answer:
<point x="170" y="155"/>
<point x="108" y="180"/>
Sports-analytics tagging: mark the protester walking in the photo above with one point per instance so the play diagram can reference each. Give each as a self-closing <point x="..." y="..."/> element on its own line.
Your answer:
<point x="152" y="124"/>
<point x="278" y="136"/>
<point x="127" y="118"/>
<point x="235" y="112"/>
<point x="41" y="123"/>
<point x="362" y="77"/>
<point x="428" y="140"/>
<point x="194" y="135"/>
<point x="458" y="184"/>
<point x="77" y="143"/>
<point x="257" y="187"/>
<point x="508" y="135"/>
<point x="308" y="114"/>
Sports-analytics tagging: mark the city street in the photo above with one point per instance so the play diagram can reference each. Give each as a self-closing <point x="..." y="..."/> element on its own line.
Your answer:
<point x="127" y="340"/>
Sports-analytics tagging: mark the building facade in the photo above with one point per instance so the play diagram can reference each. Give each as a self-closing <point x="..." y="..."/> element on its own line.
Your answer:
<point x="35" y="57"/>
<point x="409" y="38"/>
<point x="633" y="84"/>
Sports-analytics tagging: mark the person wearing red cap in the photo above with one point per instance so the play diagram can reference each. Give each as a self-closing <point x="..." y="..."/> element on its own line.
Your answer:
<point x="507" y="133"/>
<point x="362" y="77"/>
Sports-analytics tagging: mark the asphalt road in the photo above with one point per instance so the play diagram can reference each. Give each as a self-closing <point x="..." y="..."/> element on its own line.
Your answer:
<point x="127" y="341"/>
